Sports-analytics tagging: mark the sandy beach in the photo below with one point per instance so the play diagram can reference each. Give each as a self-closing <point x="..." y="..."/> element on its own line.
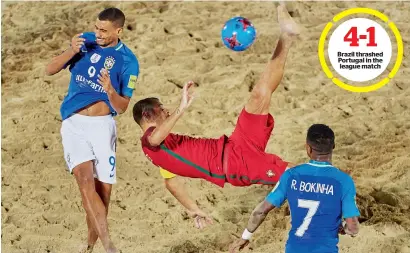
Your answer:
<point x="176" y="42"/>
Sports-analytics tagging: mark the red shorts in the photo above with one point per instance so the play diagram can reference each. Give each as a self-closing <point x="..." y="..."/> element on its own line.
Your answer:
<point x="245" y="161"/>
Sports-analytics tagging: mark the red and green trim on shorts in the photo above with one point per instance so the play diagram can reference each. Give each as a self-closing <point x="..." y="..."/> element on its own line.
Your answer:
<point x="213" y="175"/>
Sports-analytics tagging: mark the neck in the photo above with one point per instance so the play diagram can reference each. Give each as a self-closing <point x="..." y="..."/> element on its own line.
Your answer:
<point x="113" y="44"/>
<point x="148" y="125"/>
<point x="322" y="158"/>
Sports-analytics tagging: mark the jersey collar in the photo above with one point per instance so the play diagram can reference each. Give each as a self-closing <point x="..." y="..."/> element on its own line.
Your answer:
<point x="119" y="45"/>
<point x="320" y="163"/>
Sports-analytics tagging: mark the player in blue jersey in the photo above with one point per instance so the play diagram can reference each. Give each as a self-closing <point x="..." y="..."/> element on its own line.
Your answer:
<point x="104" y="72"/>
<point x="320" y="196"/>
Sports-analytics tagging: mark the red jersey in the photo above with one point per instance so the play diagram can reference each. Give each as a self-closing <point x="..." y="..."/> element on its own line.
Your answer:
<point x="188" y="156"/>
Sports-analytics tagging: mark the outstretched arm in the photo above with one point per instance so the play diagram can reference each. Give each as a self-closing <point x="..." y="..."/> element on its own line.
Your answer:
<point x="162" y="131"/>
<point x="257" y="217"/>
<point x="176" y="187"/>
<point x="274" y="199"/>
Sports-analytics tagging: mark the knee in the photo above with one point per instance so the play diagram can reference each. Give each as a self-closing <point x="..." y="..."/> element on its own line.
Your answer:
<point x="85" y="179"/>
<point x="260" y="93"/>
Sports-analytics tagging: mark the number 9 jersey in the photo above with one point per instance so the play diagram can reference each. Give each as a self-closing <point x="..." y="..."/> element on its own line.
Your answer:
<point x="84" y="89"/>
<point x="319" y="195"/>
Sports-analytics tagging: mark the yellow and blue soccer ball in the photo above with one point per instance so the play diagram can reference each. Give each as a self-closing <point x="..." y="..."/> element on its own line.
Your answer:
<point x="238" y="34"/>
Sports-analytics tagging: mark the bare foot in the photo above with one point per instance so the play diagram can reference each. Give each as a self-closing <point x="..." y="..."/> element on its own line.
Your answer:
<point x="113" y="250"/>
<point x="86" y="249"/>
<point x="286" y="22"/>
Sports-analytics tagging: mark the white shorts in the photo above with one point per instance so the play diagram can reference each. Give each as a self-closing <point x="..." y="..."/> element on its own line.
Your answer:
<point x="94" y="139"/>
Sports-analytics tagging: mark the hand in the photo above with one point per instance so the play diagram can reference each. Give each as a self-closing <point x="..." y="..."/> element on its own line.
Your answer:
<point x="342" y="230"/>
<point x="77" y="42"/>
<point x="105" y="81"/>
<point x="238" y="245"/>
<point x="187" y="96"/>
<point x="200" y="218"/>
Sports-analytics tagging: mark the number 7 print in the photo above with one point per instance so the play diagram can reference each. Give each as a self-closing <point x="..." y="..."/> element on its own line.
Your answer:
<point x="312" y="209"/>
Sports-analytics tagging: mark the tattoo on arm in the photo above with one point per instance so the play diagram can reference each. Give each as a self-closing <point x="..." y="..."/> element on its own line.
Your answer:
<point x="258" y="216"/>
<point x="255" y="221"/>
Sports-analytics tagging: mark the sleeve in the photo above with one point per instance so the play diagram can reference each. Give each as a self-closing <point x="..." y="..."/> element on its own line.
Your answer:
<point x="71" y="63"/>
<point x="144" y="140"/>
<point x="166" y="174"/>
<point x="278" y="195"/>
<point x="129" y="77"/>
<point x="349" y="207"/>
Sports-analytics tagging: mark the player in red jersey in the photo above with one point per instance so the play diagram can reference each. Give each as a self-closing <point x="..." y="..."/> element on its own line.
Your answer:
<point x="240" y="159"/>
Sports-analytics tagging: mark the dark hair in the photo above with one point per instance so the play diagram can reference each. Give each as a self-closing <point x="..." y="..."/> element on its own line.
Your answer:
<point x="321" y="138"/>
<point x="144" y="108"/>
<point x="116" y="16"/>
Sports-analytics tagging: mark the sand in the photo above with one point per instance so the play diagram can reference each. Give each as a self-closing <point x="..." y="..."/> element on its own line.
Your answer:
<point x="176" y="42"/>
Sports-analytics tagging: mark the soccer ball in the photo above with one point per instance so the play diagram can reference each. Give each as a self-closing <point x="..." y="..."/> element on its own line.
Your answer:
<point x="238" y="34"/>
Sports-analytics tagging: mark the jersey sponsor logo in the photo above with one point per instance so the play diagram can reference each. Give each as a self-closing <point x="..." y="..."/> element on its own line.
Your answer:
<point x="82" y="82"/>
<point x="132" y="82"/>
<point x="312" y="187"/>
<point x="109" y="62"/>
<point x="95" y="58"/>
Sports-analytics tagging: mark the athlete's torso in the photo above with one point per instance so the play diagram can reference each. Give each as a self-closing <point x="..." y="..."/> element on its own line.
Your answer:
<point x="314" y="193"/>
<point x="84" y="88"/>
<point x="187" y="156"/>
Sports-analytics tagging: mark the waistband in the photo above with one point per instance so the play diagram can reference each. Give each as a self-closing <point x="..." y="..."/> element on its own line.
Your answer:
<point x="79" y="117"/>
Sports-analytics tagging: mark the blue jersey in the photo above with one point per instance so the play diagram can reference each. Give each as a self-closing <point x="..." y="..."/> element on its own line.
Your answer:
<point x="85" y="67"/>
<point x="319" y="195"/>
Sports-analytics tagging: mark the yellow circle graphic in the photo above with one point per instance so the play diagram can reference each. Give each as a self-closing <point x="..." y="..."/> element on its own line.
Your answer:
<point x="372" y="87"/>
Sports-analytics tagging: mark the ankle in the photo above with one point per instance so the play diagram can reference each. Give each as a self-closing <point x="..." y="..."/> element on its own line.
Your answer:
<point x="110" y="248"/>
<point x="90" y="248"/>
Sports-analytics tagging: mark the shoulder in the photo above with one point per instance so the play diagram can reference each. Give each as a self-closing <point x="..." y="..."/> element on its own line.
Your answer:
<point x="340" y="175"/>
<point x="295" y="169"/>
<point x="127" y="54"/>
<point x="144" y="137"/>
<point x="148" y="132"/>
<point x="344" y="179"/>
<point x="284" y="178"/>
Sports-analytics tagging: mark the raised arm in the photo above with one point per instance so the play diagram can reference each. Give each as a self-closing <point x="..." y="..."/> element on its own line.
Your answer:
<point x="162" y="131"/>
<point x="58" y="62"/>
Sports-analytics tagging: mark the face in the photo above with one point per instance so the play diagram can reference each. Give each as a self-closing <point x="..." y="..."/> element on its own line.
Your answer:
<point x="161" y="112"/>
<point x="106" y="32"/>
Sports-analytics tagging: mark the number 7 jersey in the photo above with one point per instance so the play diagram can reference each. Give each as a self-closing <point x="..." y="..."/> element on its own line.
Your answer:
<point x="84" y="89"/>
<point x="319" y="195"/>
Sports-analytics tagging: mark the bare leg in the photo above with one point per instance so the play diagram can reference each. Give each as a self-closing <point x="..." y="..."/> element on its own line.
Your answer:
<point x="93" y="205"/>
<point x="104" y="191"/>
<point x="259" y="101"/>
